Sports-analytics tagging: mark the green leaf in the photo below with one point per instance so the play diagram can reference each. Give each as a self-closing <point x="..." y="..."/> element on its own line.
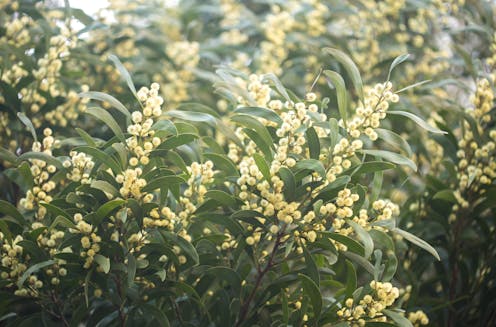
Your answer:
<point x="417" y="241"/>
<point x="163" y="182"/>
<point x="227" y="274"/>
<point x="131" y="269"/>
<point x="261" y="113"/>
<point x="371" y="167"/>
<point x="124" y="73"/>
<point x="33" y="269"/>
<point x="86" y="137"/>
<point x="400" y="320"/>
<point x="176" y="141"/>
<point x="393" y="157"/>
<point x="62" y="221"/>
<point x="391" y="266"/>
<point x="107" y="118"/>
<point x="367" y="241"/>
<point x="7" y="155"/>
<point x="351" y="244"/>
<point x="254" y="124"/>
<point x="106" y="209"/>
<point x="394" y="139"/>
<point x="289" y="183"/>
<point x="277" y="83"/>
<point x="50" y="160"/>
<point x="446" y="195"/>
<point x="8" y="209"/>
<point x="100" y="96"/>
<point x="313" y="143"/>
<point x="260" y="142"/>
<point x="398" y="60"/>
<point x="185" y="246"/>
<point x="157" y="314"/>
<point x="262" y="166"/>
<point x="311" y="267"/>
<point x="165" y="126"/>
<point x="419" y="121"/>
<point x="223" y="163"/>
<point x="103" y="262"/>
<point x="350" y="68"/>
<point x="333" y="132"/>
<point x="313" y="165"/>
<point x="101" y="156"/>
<point x="222" y="197"/>
<point x="193" y="116"/>
<point x="105" y="187"/>
<point x="351" y="280"/>
<point x="361" y="261"/>
<point x="413" y="85"/>
<point x="313" y="292"/>
<point x="26" y="121"/>
<point x="227" y="221"/>
<point x="341" y="94"/>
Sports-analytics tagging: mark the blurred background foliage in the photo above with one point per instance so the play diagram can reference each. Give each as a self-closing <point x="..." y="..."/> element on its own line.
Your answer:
<point x="51" y="52"/>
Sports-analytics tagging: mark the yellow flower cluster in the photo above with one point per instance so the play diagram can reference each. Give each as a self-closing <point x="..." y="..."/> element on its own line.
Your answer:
<point x="69" y="110"/>
<point x="12" y="259"/>
<point x="273" y="51"/>
<point x="81" y="165"/>
<point x="164" y="217"/>
<point x="17" y="31"/>
<point x="142" y="140"/>
<point x="184" y="56"/>
<point x="200" y="176"/>
<point x="418" y="318"/>
<point x="89" y="239"/>
<point x="373" y="109"/>
<point x="370" y="307"/>
<point x="477" y="166"/>
<point x="41" y="172"/>
<point x="132" y="184"/>
<point x="48" y="72"/>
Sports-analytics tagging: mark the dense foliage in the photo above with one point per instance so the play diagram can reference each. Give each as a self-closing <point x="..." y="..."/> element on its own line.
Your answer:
<point x="241" y="163"/>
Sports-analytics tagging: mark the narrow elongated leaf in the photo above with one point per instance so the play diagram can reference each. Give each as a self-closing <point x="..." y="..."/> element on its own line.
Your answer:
<point x="86" y="137"/>
<point x="364" y="236"/>
<point x="124" y="73"/>
<point x="223" y="163"/>
<point x="227" y="274"/>
<point x="222" y="197"/>
<point x="131" y="269"/>
<point x="351" y="279"/>
<point x="105" y="187"/>
<point x="313" y="292"/>
<point x="398" y="60"/>
<point x="351" y="244"/>
<point x="50" y="160"/>
<point x="107" y="118"/>
<point x="289" y="183"/>
<point x="185" y="246"/>
<point x="101" y="156"/>
<point x="261" y="113"/>
<point x="262" y="144"/>
<point x="350" y="68"/>
<point x="311" y="267"/>
<point x="262" y="166"/>
<point x="104" y="97"/>
<point x="55" y="211"/>
<point x="161" y="182"/>
<point x="341" y="93"/>
<point x="395" y="140"/>
<point x="277" y="83"/>
<point x="199" y="117"/>
<point x="313" y="143"/>
<point x="313" y="165"/>
<point x="419" y="121"/>
<point x="400" y="320"/>
<point x="7" y="155"/>
<point x="371" y="167"/>
<point x="254" y="124"/>
<point x="27" y="122"/>
<point x="106" y="209"/>
<point x="62" y="221"/>
<point x="10" y="210"/>
<point x="103" y="262"/>
<point x="33" y="269"/>
<point x="393" y="157"/>
<point x="417" y="241"/>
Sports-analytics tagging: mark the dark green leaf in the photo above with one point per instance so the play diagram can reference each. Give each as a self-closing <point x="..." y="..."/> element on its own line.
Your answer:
<point x="393" y="157"/>
<point x="107" y="118"/>
<point x="100" y="96"/>
<point x="350" y="68"/>
<point x="422" y="123"/>
<point x="26" y="121"/>
<point x="33" y="269"/>
<point x="341" y="93"/>
<point x="103" y="262"/>
<point x="367" y="241"/>
<point x="417" y="241"/>
<point x="313" y="292"/>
